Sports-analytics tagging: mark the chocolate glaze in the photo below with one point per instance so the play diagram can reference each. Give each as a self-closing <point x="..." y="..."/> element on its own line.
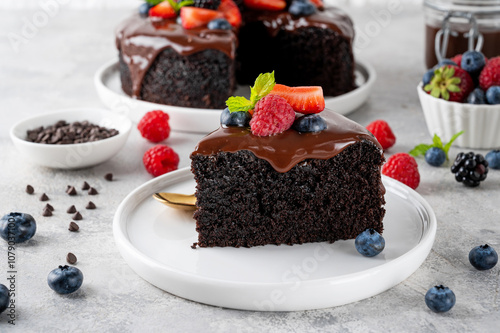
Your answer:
<point x="328" y="18"/>
<point x="140" y="40"/>
<point x="285" y="150"/>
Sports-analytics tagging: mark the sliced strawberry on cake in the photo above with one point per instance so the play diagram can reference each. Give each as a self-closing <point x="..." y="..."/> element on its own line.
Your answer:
<point x="163" y="10"/>
<point x="305" y="100"/>
<point x="194" y="17"/>
<point x="231" y="12"/>
<point x="273" y="5"/>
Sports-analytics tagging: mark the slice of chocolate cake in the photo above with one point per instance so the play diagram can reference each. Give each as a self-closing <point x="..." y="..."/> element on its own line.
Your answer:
<point x="288" y="188"/>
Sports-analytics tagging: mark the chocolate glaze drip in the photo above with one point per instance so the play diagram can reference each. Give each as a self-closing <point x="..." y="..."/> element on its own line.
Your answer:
<point x="285" y="150"/>
<point x="328" y="18"/>
<point x="140" y="40"/>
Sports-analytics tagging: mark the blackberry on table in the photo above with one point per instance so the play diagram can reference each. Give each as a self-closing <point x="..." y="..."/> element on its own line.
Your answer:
<point x="207" y="4"/>
<point x="470" y="169"/>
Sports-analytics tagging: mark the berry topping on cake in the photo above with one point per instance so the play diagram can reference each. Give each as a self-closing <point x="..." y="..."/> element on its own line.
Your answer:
<point x="477" y="96"/>
<point x="450" y="83"/>
<point x="231" y="12"/>
<point x="383" y="133"/>
<point x="238" y="119"/>
<point x="144" y="9"/>
<point x="490" y="75"/>
<point x="272" y="115"/>
<point x="493" y="95"/>
<point x="305" y="100"/>
<point x="493" y="159"/>
<point x="154" y="126"/>
<point x="309" y="123"/>
<point x="221" y="24"/>
<point x="302" y="8"/>
<point x="163" y="10"/>
<point x="207" y="4"/>
<point x="435" y="153"/>
<point x="440" y="298"/>
<point x="272" y="5"/>
<point x="483" y="257"/>
<point x="318" y="3"/>
<point x="160" y="159"/>
<point x="369" y="243"/>
<point x="194" y="17"/>
<point x="262" y="86"/>
<point x="470" y="169"/>
<point x="403" y="168"/>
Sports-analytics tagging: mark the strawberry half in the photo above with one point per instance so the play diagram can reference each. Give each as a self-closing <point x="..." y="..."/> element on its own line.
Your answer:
<point x="450" y="83"/>
<point x="274" y="5"/>
<point x="231" y="12"/>
<point x="163" y="10"/>
<point x="305" y="100"/>
<point x="194" y="17"/>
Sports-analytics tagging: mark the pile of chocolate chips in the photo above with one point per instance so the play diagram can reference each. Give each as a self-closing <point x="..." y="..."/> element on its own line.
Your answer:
<point x="65" y="133"/>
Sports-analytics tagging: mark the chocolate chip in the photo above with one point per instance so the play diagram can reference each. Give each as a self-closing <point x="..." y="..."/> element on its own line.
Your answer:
<point x="44" y="197"/>
<point x="49" y="207"/>
<point x="90" y="205"/>
<point x="85" y="186"/>
<point x="73" y="226"/>
<point x="71" y="258"/>
<point x="77" y="216"/>
<point x="93" y="191"/>
<point x="47" y="212"/>
<point x="108" y="177"/>
<point x="30" y="189"/>
<point x="71" y="190"/>
<point x="71" y="209"/>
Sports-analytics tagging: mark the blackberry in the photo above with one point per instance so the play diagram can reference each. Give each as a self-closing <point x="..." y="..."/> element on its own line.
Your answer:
<point x="207" y="4"/>
<point x="470" y="168"/>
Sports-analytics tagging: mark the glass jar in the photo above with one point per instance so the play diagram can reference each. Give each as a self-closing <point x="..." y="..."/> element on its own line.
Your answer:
<point x="461" y="25"/>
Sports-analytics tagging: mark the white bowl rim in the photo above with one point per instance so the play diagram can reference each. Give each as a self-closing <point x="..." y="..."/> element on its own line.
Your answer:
<point x="420" y="87"/>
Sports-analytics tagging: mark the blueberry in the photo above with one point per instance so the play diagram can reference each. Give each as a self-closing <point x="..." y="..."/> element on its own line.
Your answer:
<point x="493" y="95"/>
<point x="302" y="8"/>
<point x="435" y="156"/>
<point x="440" y="298"/>
<point x="4" y="298"/>
<point x="473" y="61"/>
<point x="65" y="279"/>
<point x="144" y="9"/>
<point x="220" y="23"/>
<point x="309" y="124"/>
<point x="369" y="243"/>
<point x="19" y="226"/>
<point x="445" y="62"/>
<point x="238" y="119"/>
<point x="477" y="96"/>
<point x="428" y="76"/>
<point x="493" y="159"/>
<point x="483" y="257"/>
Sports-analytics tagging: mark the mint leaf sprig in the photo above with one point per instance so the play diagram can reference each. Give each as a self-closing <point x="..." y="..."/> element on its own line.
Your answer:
<point x="262" y="87"/>
<point x="421" y="149"/>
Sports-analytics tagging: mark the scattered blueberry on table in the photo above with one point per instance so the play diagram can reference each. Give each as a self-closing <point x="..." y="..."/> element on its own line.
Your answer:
<point x="19" y="226"/>
<point x="65" y="279"/>
<point x="4" y="298"/>
<point x="493" y="159"/>
<point x="440" y="298"/>
<point x="435" y="156"/>
<point x="483" y="257"/>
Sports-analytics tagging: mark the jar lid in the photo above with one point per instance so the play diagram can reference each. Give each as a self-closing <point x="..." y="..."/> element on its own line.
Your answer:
<point x="471" y="6"/>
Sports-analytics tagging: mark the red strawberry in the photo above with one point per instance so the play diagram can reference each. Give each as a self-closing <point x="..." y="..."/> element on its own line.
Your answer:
<point x="457" y="60"/>
<point x="272" y="115"/>
<point x="450" y="83"/>
<point x="403" y="168"/>
<point x="383" y="133"/>
<point x="317" y="3"/>
<point x="305" y="100"/>
<point x="490" y="75"/>
<point x="194" y="17"/>
<point x="274" y="5"/>
<point x="163" y="10"/>
<point x="154" y="126"/>
<point x="231" y="12"/>
<point x="160" y="159"/>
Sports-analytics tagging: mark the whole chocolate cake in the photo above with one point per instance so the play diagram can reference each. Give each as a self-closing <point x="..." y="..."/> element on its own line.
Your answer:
<point x="288" y="188"/>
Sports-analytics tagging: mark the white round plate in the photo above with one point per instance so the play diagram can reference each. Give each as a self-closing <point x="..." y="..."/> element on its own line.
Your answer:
<point x="156" y="240"/>
<point x="108" y="85"/>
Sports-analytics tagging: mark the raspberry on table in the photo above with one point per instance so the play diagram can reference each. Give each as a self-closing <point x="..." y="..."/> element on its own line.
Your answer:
<point x="272" y="115"/>
<point x="403" y="168"/>
<point x="154" y="126"/>
<point x="383" y="133"/>
<point x="160" y="159"/>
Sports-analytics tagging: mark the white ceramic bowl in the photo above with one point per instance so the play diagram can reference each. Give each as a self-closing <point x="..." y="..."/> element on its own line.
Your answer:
<point x="72" y="156"/>
<point x="480" y="123"/>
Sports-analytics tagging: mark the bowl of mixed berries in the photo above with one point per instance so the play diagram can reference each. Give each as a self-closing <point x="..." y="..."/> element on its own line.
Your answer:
<point x="463" y="94"/>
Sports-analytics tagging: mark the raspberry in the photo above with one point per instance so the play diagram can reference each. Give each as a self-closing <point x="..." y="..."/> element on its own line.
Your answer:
<point x="272" y="115"/>
<point x="154" y="126"/>
<point x="383" y="133"/>
<point x="403" y="168"/>
<point x="490" y="75"/>
<point x="160" y="159"/>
